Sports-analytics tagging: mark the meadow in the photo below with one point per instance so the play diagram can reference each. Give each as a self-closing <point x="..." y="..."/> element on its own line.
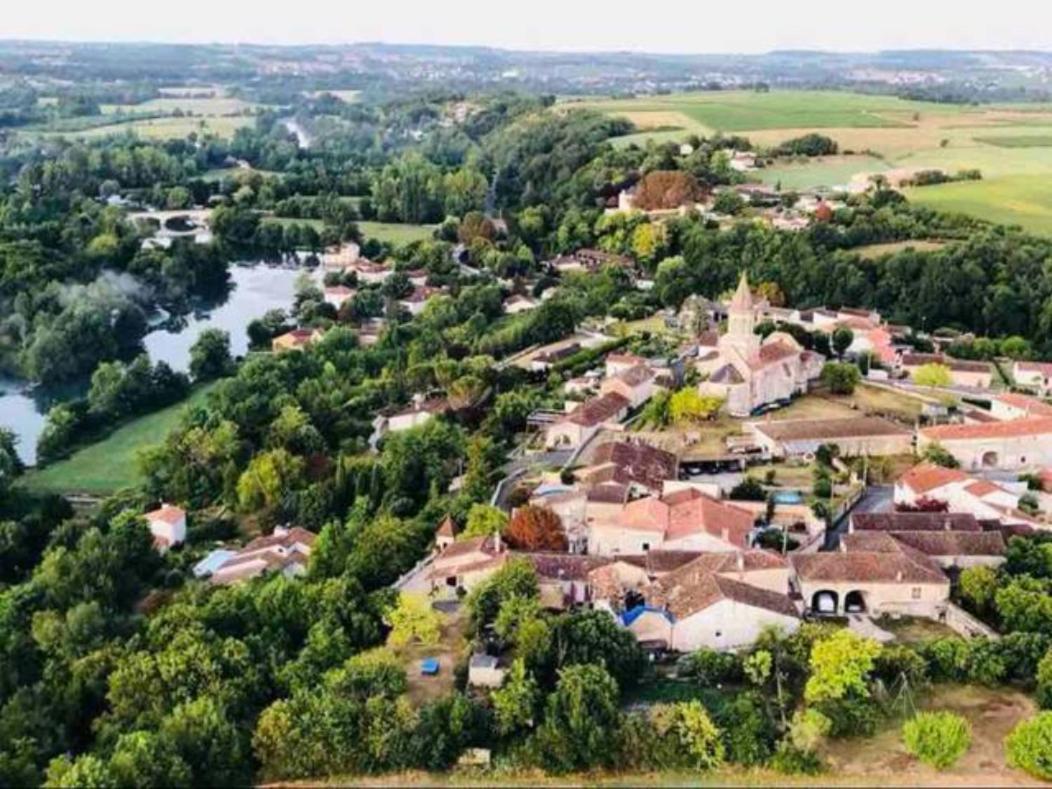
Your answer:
<point x="109" y="465"/>
<point x="1010" y="144"/>
<point x="394" y="233"/>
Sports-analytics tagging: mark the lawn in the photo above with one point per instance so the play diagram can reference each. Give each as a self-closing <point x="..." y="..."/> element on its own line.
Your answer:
<point x="394" y="233"/>
<point x="161" y="128"/>
<point x="877" y="400"/>
<point x="826" y="171"/>
<point x="317" y="224"/>
<point x="874" y="251"/>
<point x="110" y="464"/>
<point x="1018" y="141"/>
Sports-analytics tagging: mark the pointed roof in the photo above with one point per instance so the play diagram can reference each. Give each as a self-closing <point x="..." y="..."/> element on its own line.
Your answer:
<point x="446" y="528"/>
<point x="742" y="299"/>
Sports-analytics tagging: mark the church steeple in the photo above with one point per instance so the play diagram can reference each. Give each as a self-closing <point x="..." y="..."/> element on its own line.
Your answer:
<point x="741" y="321"/>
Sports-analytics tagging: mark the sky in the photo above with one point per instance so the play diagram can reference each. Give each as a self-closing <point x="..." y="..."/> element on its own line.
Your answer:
<point x="679" y="26"/>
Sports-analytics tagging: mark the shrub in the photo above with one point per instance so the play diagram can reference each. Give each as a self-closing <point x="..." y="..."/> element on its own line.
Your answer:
<point x="1029" y="746"/>
<point x="710" y="667"/>
<point x="937" y="738"/>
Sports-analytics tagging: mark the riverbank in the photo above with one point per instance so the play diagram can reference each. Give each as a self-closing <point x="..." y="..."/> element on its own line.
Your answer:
<point x="109" y="465"/>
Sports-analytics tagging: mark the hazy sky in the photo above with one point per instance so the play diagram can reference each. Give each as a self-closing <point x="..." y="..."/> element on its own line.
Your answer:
<point x="666" y="26"/>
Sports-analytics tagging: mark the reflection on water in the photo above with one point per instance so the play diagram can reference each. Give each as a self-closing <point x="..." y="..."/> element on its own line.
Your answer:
<point x="255" y="289"/>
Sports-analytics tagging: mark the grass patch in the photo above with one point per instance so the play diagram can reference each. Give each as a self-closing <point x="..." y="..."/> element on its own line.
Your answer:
<point x="874" y="251"/>
<point x="161" y="128"/>
<point x="284" y="221"/>
<point x="394" y="233"/>
<point x="1024" y="200"/>
<point x="914" y="630"/>
<point x="110" y="464"/>
<point x="1018" y="141"/>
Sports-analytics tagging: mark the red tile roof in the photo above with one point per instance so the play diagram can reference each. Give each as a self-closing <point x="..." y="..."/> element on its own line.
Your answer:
<point x="915" y="521"/>
<point x="597" y="410"/>
<point x="168" y="513"/>
<point x="1032" y="405"/>
<point x="686" y="512"/>
<point x="869" y="557"/>
<point x="1016" y="428"/>
<point x="690" y="589"/>
<point x="927" y="476"/>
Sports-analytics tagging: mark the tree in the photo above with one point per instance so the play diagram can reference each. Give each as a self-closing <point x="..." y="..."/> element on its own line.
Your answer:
<point x="143" y="758"/>
<point x="729" y="202"/>
<point x="688" y="405"/>
<point x="1044" y="681"/>
<point x="842" y="339"/>
<point x="840" y="377"/>
<point x="483" y="521"/>
<point x="840" y="665"/>
<point x="581" y="720"/>
<point x="688" y="736"/>
<point x="977" y="586"/>
<point x="932" y="375"/>
<point x="270" y="476"/>
<point x="937" y="738"/>
<point x="413" y="620"/>
<point x="594" y="637"/>
<point x="210" y="355"/>
<point x="535" y="529"/>
<point x="936" y="453"/>
<point x="665" y="189"/>
<point x="517" y="578"/>
<point x="87" y="771"/>
<point x="515" y="702"/>
<point x="1029" y="746"/>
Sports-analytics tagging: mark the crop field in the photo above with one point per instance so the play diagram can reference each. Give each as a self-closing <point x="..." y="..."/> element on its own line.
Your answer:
<point x="163" y="128"/>
<point x="1010" y="144"/>
<point x="197" y="105"/>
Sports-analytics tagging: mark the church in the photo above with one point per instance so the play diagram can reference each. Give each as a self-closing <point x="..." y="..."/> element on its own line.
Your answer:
<point x="748" y="372"/>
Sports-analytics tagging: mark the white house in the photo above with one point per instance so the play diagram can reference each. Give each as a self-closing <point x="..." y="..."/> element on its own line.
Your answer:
<point x="285" y="551"/>
<point x="962" y="493"/>
<point x="167" y="525"/>
<point x="336" y="295"/>
<point x="1036" y="375"/>
<point x="1014" y="444"/>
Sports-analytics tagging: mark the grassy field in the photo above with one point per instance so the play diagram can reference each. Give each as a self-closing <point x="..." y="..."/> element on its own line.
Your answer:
<point x="110" y="464"/>
<point x="162" y="128"/>
<point x="317" y="224"/>
<point x="211" y="105"/>
<point x="1010" y="144"/>
<point x="393" y="233"/>
<point x="874" y="251"/>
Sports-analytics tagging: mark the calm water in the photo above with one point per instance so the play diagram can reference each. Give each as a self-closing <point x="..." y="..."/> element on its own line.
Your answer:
<point x="255" y="290"/>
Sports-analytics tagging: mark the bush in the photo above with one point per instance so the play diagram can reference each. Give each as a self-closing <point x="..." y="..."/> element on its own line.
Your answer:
<point x="711" y="668"/>
<point x="1029" y="746"/>
<point x="937" y="738"/>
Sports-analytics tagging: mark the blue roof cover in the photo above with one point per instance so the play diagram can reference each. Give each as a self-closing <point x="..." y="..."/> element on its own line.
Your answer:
<point x="429" y="666"/>
<point x="631" y="615"/>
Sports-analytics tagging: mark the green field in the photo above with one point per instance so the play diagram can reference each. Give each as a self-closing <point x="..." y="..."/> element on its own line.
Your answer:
<point x="393" y="233"/>
<point x="109" y="465"/>
<point x="160" y="128"/>
<point x="317" y="224"/>
<point x="1024" y="200"/>
<point x="1011" y="144"/>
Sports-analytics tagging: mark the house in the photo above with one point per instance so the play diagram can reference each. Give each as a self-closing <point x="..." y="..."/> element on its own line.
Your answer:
<point x="167" y="525"/>
<point x="638" y="466"/>
<point x="1015" y="444"/>
<point x="562" y="578"/>
<point x="683" y="520"/>
<point x="749" y="372"/>
<point x="546" y="358"/>
<point x="285" y="551"/>
<point x="1034" y="375"/>
<point x="418" y="413"/>
<point x="976" y="375"/>
<point x="856" y="436"/>
<point x="417" y="299"/>
<point x="948" y="549"/>
<point x="341" y="258"/>
<point x="484" y="672"/>
<point x="513" y="305"/>
<point x="961" y="493"/>
<point x="465" y="564"/>
<point x="1009" y="405"/>
<point x="589" y="261"/>
<point x="295" y="340"/>
<point x="583" y="422"/>
<point x="694" y="607"/>
<point x="370" y="273"/>
<point x="617" y="363"/>
<point x="636" y="384"/>
<point x="913" y="521"/>
<point x="873" y="576"/>
<point x="336" y="295"/>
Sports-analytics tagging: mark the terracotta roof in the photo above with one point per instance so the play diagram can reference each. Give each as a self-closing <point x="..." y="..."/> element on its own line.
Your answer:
<point x="635" y="376"/>
<point x="286" y="537"/>
<point x="563" y="566"/>
<point x="954" y="543"/>
<point x="915" y="521"/>
<point x="607" y="493"/>
<point x="1045" y="368"/>
<point x="728" y="374"/>
<point x="597" y="410"/>
<point x="446" y="528"/>
<point x="773" y="352"/>
<point x="740" y="561"/>
<point x="625" y="358"/>
<point x="687" y="512"/>
<point x="1015" y="428"/>
<point x="691" y="589"/>
<point x="960" y="365"/>
<point x="168" y="513"/>
<point x="983" y="487"/>
<point x="709" y="339"/>
<point x="471" y="545"/>
<point x="829" y="429"/>
<point x="637" y="462"/>
<point x="896" y="563"/>
<point x="928" y="476"/>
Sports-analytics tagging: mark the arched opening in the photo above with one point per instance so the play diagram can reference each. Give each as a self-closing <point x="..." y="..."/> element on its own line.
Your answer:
<point x="854" y="602"/>
<point x="989" y="460"/>
<point x="825" y="602"/>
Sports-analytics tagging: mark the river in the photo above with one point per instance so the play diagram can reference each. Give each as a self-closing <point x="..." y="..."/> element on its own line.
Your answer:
<point x="255" y="289"/>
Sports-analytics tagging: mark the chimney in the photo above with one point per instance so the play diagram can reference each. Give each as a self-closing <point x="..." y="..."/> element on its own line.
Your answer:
<point x="741" y="561"/>
<point x="898" y="576"/>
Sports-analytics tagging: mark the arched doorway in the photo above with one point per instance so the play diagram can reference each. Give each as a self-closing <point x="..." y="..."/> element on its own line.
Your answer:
<point x="854" y="602"/>
<point x="825" y="602"/>
<point x="989" y="459"/>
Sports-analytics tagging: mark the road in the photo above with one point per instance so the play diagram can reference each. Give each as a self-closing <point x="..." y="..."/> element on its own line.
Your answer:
<point x="877" y="498"/>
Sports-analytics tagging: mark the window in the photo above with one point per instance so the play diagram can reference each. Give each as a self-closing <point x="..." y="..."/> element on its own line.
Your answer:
<point x="719" y="634"/>
<point x="646" y="546"/>
<point x="915" y="593"/>
<point x="451" y="580"/>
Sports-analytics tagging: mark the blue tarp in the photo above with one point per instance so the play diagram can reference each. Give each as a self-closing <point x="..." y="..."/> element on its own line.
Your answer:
<point x="630" y="616"/>
<point x="429" y="666"/>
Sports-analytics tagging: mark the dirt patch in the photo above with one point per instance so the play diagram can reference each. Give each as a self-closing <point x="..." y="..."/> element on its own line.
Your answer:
<point x="451" y="646"/>
<point x="993" y="713"/>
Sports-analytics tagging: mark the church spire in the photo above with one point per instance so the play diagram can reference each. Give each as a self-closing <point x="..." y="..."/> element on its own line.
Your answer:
<point x="742" y="299"/>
